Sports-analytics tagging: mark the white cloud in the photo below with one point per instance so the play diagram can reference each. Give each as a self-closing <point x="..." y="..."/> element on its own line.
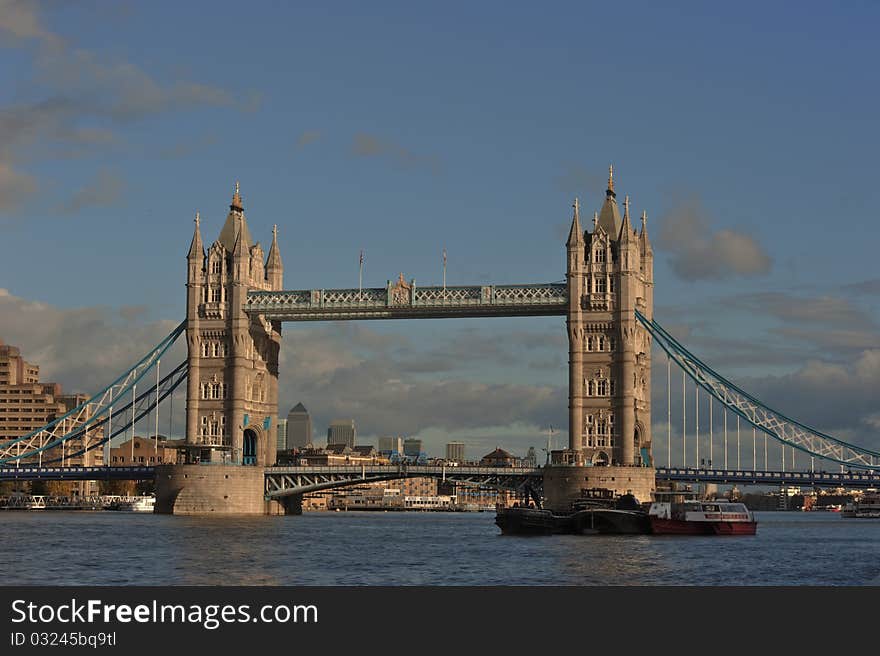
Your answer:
<point x="699" y="253"/>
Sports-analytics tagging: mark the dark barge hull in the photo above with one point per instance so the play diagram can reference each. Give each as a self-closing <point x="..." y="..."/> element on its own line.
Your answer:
<point x="533" y="521"/>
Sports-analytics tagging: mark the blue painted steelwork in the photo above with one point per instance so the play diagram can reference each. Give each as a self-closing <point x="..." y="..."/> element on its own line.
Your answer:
<point x="865" y="479"/>
<point x="89" y="412"/>
<point x="775" y="424"/>
<point x="144" y="405"/>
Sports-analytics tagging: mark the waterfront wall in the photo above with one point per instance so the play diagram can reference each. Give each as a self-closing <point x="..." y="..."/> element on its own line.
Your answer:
<point x="212" y="490"/>
<point x="565" y="483"/>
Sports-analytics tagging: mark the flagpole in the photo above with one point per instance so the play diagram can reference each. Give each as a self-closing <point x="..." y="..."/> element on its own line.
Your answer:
<point x="444" y="272"/>
<point x="361" y="275"/>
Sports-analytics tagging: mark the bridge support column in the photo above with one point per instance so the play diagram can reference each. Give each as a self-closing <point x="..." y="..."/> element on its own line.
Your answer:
<point x="564" y="484"/>
<point x="210" y="490"/>
<point x="293" y="505"/>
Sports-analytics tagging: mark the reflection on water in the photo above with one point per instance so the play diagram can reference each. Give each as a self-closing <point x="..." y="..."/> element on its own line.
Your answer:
<point x="420" y="549"/>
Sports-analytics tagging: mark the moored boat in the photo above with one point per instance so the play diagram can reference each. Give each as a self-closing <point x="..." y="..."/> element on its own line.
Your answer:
<point x="868" y="507"/>
<point x="701" y="518"/>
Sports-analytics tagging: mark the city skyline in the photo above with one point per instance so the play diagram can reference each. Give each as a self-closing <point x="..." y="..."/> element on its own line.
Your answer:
<point x="761" y="265"/>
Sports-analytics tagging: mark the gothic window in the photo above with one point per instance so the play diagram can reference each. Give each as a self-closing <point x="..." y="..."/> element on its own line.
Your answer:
<point x="589" y="343"/>
<point x="204" y="426"/>
<point x="215" y="266"/>
<point x="206" y="349"/>
<point x="602" y="387"/>
<point x="611" y="285"/>
<point x="601" y="343"/>
<point x="600" y="254"/>
<point x="590" y="388"/>
<point x="600" y="285"/>
<point x="216" y="349"/>
<point x="611" y="344"/>
<point x="215" y="295"/>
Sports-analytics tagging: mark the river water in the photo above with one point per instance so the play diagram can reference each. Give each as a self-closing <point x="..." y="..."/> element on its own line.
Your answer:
<point x="113" y="548"/>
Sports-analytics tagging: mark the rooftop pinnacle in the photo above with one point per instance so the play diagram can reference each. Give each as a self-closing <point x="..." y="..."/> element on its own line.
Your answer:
<point x="236" y="198"/>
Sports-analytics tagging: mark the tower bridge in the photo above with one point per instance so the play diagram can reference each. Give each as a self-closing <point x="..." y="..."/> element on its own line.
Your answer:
<point x="236" y="304"/>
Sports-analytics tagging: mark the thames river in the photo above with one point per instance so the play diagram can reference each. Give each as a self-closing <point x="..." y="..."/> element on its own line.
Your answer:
<point x="112" y="548"/>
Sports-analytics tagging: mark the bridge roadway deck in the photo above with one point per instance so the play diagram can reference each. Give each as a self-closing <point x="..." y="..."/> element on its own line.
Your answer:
<point x="478" y="475"/>
<point x="768" y="477"/>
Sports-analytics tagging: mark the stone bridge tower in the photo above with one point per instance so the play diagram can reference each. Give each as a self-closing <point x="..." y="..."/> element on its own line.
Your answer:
<point x="610" y="273"/>
<point x="232" y="391"/>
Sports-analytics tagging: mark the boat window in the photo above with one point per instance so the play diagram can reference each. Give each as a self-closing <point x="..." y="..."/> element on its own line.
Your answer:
<point x="710" y="508"/>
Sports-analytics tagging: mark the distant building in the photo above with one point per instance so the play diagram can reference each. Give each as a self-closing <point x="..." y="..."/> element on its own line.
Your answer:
<point x="391" y="444"/>
<point x="412" y="446"/>
<point x="532" y="457"/>
<point x="27" y="405"/>
<point x="281" y="435"/>
<point x="299" y="427"/>
<point x="144" y="451"/>
<point x="339" y="454"/>
<point x="498" y="458"/>
<point x="455" y="451"/>
<point x="342" y="431"/>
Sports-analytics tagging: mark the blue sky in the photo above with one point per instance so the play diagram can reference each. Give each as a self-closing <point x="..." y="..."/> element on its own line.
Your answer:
<point x="747" y="131"/>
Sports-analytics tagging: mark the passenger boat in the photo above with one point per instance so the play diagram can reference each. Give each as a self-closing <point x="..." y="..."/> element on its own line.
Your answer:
<point x="868" y="507"/>
<point x="137" y="504"/>
<point x="701" y="518"/>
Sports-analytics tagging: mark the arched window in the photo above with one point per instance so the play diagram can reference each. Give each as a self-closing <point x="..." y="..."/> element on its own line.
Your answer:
<point x="601" y="387"/>
<point x="590" y="388"/>
<point x="589" y="343"/>
<point x="601" y="344"/>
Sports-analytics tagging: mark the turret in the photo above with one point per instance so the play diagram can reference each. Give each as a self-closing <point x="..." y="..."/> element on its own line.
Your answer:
<point x="196" y="256"/>
<point x="627" y="239"/>
<point x="574" y="273"/>
<point x="274" y="267"/>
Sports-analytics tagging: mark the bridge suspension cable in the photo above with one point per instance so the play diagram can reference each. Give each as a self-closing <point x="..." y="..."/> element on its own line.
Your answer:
<point x="89" y="413"/>
<point x="771" y="422"/>
<point x="145" y="403"/>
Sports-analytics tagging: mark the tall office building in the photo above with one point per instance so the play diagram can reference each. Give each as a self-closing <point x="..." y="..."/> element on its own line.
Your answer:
<point x="391" y="444"/>
<point x="412" y="446"/>
<point x="342" y="431"/>
<point x="281" y="435"/>
<point x="455" y="451"/>
<point x="299" y="427"/>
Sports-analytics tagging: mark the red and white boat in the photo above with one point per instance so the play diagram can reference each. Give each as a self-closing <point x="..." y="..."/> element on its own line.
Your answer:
<point x="701" y="518"/>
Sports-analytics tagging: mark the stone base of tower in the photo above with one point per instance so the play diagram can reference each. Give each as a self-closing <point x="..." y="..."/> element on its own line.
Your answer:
<point x="212" y="490"/>
<point x="564" y="484"/>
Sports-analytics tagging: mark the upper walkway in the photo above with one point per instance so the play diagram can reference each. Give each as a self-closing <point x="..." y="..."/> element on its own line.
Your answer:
<point x="407" y="301"/>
